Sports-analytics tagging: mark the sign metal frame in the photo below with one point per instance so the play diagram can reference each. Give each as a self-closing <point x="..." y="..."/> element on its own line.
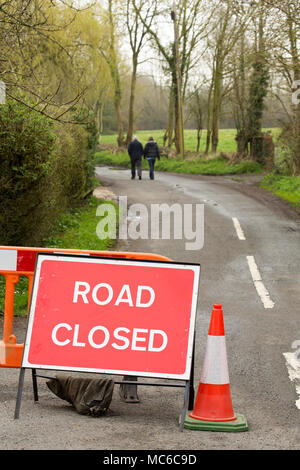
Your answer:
<point x="186" y="378"/>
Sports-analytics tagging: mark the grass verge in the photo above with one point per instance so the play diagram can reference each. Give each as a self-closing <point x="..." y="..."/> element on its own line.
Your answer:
<point x="77" y="229"/>
<point x="74" y="229"/>
<point x="286" y="187"/>
<point x="196" y="166"/>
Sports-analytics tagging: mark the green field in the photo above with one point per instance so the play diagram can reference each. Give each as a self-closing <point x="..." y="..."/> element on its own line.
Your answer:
<point x="227" y="142"/>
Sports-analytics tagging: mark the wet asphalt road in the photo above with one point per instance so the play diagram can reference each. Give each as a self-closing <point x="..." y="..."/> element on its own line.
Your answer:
<point x="261" y="324"/>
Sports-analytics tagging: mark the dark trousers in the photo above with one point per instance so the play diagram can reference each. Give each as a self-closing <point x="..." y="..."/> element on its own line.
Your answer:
<point x="136" y="163"/>
<point x="151" y="162"/>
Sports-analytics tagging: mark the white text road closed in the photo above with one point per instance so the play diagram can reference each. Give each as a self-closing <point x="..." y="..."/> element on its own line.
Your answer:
<point x="112" y="316"/>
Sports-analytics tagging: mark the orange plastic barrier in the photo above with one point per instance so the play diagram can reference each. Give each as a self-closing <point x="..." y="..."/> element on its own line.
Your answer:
<point x="20" y="261"/>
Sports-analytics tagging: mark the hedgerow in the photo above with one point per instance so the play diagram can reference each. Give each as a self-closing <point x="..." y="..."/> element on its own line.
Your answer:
<point x="43" y="171"/>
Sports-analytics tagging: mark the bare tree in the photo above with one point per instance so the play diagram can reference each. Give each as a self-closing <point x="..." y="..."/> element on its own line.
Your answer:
<point x="137" y="35"/>
<point x="197" y="109"/>
<point x="228" y="28"/>
<point x="286" y="66"/>
<point x="192" y="23"/>
<point x="108" y="50"/>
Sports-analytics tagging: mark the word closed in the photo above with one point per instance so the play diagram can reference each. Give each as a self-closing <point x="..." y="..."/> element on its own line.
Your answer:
<point x="138" y="337"/>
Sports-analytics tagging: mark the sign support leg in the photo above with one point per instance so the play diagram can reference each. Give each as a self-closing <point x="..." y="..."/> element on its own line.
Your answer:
<point x="35" y="387"/>
<point x="128" y="392"/>
<point x="20" y="389"/>
<point x="184" y="411"/>
<point x="192" y="390"/>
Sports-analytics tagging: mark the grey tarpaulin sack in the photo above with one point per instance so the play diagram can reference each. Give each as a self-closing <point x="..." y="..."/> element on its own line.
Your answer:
<point x="88" y="396"/>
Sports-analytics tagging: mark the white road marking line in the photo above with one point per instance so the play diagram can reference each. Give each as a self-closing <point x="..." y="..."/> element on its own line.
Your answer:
<point x="293" y="367"/>
<point x="261" y="290"/>
<point x="238" y="229"/>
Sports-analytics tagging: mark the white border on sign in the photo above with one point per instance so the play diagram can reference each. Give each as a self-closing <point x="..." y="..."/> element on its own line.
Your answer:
<point x="81" y="259"/>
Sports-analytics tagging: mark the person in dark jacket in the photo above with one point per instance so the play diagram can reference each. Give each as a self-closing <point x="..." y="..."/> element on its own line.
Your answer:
<point x="151" y="152"/>
<point x="135" y="151"/>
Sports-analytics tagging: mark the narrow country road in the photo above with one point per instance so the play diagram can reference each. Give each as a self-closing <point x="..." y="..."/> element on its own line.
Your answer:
<point x="249" y="264"/>
<point x="244" y="237"/>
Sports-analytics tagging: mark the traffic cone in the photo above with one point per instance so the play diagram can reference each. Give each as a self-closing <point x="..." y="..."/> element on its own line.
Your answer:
<point x="213" y="406"/>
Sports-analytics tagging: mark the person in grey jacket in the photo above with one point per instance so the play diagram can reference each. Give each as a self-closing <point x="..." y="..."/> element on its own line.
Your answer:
<point x="151" y="152"/>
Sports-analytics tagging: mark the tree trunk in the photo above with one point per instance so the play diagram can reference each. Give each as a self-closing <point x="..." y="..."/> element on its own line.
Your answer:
<point x="98" y="118"/>
<point x="257" y="94"/>
<point x="216" y="109"/>
<point x="168" y="135"/>
<point x="176" y="114"/>
<point x="199" y="123"/>
<point x="131" y="101"/>
<point x="177" y="130"/>
<point x="170" y="119"/>
<point x="242" y="140"/>
<point x="256" y="148"/>
<point x="117" y="103"/>
<point x="296" y="107"/>
<point x="242" y="137"/>
<point x="120" y="138"/>
<point x="179" y="133"/>
<point x="177" y="117"/>
<point x="113" y="65"/>
<point x="199" y="133"/>
<point x="208" y="132"/>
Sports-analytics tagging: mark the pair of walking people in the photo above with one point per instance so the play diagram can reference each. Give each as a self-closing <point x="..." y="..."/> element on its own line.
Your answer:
<point x="136" y="152"/>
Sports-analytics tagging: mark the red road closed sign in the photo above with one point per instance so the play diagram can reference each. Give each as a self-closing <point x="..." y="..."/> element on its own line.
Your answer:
<point x="112" y="316"/>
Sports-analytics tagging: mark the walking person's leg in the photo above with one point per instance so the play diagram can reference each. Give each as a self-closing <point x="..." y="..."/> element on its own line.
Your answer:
<point x="139" y="168"/>
<point x="132" y="168"/>
<point x="151" y="163"/>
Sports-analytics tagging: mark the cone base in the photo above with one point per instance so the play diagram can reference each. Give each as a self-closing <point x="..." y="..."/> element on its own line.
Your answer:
<point x="238" y="425"/>
<point x="200" y="418"/>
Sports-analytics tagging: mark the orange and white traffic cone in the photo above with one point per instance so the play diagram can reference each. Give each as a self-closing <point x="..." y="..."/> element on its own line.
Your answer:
<point x="213" y="406"/>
